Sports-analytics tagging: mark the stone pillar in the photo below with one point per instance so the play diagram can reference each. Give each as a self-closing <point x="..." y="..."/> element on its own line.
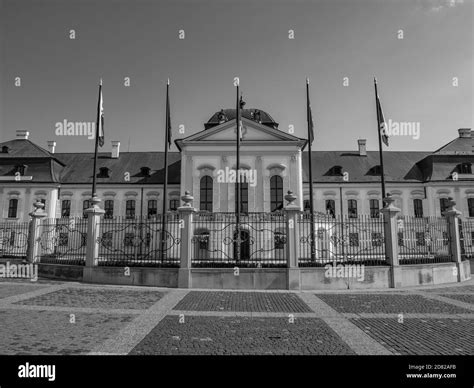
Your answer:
<point x="293" y="213"/>
<point x="34" y="230"/>
<point x="93" y="232"/>
<point x="452" y="217"/>
<point x="390" y="213"/>
<point x="186" y="224"/>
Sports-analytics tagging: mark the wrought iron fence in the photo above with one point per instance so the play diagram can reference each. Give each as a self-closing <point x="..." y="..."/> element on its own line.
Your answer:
<point x="466" y="234"/>
<point x="139" y="242"/>
<point x="262" y="240"/>
<point x="342" y="240"/>
<point x="423" y="240"/>
<point x="13" y="239"/>
<point x="62" y="241"/>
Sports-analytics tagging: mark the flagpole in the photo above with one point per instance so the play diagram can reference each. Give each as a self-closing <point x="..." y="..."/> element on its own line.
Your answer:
<point x="165" y="185"/>
<point x="237" y="181"/>
<point x="97" y="124"/>
<point x="311" y="198"/>
<point x="377" y="104"/>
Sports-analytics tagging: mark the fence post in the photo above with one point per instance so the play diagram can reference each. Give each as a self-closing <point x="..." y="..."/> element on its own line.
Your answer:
<point x="186" y="224"/>
<point x="32" y="250"/>
<point x="390" y="213"/>
<point x="452" y="217"/>
<point x="293" y="213"/>
<point x="93" y="232"/>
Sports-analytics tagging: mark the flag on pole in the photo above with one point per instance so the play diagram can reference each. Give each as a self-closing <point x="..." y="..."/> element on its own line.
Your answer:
<point x="309" y="114"/>
<point x="168" y="116"/>
<point x="100" y="117"/>
<point x="380" y="117"/>
<point x="239" y="117"/>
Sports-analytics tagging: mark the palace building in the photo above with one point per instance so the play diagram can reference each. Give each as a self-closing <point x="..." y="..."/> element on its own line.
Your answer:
<point x="130" y="184"/>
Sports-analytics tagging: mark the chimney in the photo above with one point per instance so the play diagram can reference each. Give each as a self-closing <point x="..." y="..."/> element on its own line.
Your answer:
<point x="464" y="132"/>
<point x="362" y="148"/>
<point x="51" y="146"/>
<point x="22" y="134"/>
<point x="115" y="149"/>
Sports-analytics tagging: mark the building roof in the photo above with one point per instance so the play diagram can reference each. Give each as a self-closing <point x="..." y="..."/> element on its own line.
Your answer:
<point x="460" y="145"/>
<point x="252" y="114"/>
<point x="41" y="165"/>
<point x="399" y="166"/>
<point x="79" y="167"/>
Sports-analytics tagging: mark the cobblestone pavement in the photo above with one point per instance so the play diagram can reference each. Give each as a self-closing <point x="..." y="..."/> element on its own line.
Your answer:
<point x="72" y="318"/>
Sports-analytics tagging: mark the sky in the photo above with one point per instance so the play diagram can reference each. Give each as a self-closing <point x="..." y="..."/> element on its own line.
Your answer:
<point x="332" y="39"/>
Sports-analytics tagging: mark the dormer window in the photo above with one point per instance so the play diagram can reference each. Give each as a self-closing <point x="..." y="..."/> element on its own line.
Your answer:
<point x="103" y="172"/>
<point x="21" y="168"/>
<point x="465" y="168"/>
<point x="145" y="171"/>
<point x="5" y="149"/>
<point x="336" y="170"/>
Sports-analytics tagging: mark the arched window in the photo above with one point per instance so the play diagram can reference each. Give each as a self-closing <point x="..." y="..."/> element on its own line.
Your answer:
<point x="109" y="208"/>
<point x="206" y="193"/>
<point x="352" y="208"/>
<point x="12" y="208"/>
<point x="152" y="208"/>
<point x="130" y="209"/>
<point x="85" y="205"/>
<point x="374" y="208"/>
<point x="418" y="207"/>
<point x="276" y="193"/>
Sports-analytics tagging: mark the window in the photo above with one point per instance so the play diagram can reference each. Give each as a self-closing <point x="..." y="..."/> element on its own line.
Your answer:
<point x="85" y="205"/>
<point x="66" y="208"/>
<point x="336" y="170"/>
<point x="152" y="208"/>
<point x="43" y="201"/>
<point x="206" y="193"/>
<point x="244" y="197"/>
<point x="470" y="206"/>
<point x="276" y="193"/>
<point x="374" y="208"/>
<point x="20" y="169"/>
<point x="465" y="168"/>
<point x="130" y="209"/>
<point x="352" y="208"/>
<point x="331" y="207"/>
<point x="418" y="207"/>
<point x="443" y="204"/>
<point x="12" y="208"/>
<point x="103" y="172"/>
<point x="109" y="208"/>
<point x="174" y="204"/>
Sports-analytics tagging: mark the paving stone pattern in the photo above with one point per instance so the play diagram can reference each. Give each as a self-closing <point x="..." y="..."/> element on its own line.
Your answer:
<point x="242" y="301"/>
<point x="97" y="298"/>
<point x="49" y="332"/>
<point x="445" y="336"/>
<point x="241" y="336"/>
<point x="384" y="303"/>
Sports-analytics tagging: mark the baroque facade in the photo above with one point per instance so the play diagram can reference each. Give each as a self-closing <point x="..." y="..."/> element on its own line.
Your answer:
<point x="131" y="183"/>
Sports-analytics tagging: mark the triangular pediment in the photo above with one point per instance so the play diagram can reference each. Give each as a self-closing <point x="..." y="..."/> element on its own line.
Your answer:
<point x="251" y="132"/>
